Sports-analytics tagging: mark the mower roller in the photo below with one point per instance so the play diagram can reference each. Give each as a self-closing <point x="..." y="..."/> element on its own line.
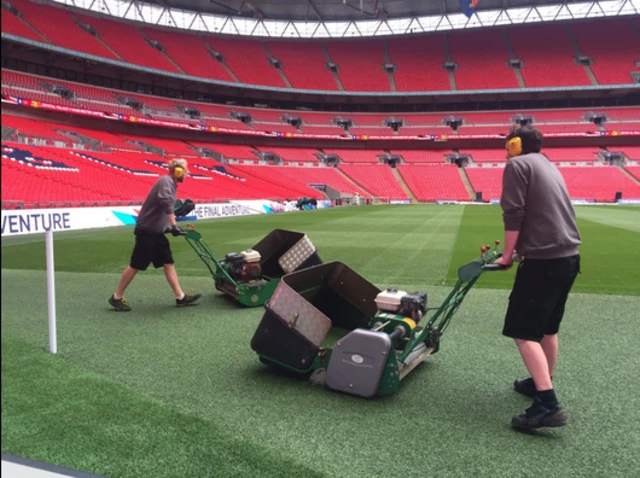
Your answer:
<point x="252" y="276"/>
<point x="331" y="326"/>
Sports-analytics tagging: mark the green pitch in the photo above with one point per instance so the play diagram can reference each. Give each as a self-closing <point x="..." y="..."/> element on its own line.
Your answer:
<point x="166" y="392"/>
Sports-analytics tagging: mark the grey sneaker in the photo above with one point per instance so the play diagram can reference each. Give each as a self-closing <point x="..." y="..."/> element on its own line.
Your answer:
<point x="121" y="305"/>
<point x="187" y="299"/>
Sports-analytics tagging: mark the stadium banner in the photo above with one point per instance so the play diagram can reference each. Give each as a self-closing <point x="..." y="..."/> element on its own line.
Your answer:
<point x="34" y="221"/>
<point x="400" y="201"/>
<point x="15" y="100"/>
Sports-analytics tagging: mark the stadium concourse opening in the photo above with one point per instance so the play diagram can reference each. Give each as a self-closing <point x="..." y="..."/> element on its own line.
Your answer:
<point x="376" y="128"/>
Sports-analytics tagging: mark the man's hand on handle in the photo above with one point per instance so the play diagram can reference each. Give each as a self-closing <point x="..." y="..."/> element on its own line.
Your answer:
<point x="176" y="231"/>
<point x="505" y="262"/>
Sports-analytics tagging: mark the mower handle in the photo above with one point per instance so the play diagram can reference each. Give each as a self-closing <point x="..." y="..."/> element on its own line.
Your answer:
<point x="500" y="267"/>
<point x="493" y="267"/>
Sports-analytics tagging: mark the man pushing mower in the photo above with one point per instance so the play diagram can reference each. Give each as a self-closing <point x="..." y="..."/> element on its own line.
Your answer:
<point x="540" y="224"/>
<point x="156" y="219"/>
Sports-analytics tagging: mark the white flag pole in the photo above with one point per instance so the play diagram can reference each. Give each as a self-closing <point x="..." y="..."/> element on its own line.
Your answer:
<point x="51" y="292"/>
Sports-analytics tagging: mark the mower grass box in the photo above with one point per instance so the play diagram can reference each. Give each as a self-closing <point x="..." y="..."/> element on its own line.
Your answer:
<point x="376" y="337"/>
<point x="251" y="276"/>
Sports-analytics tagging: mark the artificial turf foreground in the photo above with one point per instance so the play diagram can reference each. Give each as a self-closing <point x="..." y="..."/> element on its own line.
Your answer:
<point x="165" y="392"/>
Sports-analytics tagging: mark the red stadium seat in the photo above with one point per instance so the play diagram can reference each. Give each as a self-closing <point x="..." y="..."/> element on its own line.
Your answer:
<point x="431" y="183"/>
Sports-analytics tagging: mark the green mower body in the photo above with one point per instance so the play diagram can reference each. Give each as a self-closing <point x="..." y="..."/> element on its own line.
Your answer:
<point x="384" y="335"/>
<point x="252" y="277"/>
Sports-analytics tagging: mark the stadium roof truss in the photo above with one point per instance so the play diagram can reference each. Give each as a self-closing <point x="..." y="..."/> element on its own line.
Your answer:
<point x="157" y="14"/>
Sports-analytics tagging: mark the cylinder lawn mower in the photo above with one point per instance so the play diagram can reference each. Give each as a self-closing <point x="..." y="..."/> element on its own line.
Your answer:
<point x="252" y="276"/>
<point x="376" y="338"/>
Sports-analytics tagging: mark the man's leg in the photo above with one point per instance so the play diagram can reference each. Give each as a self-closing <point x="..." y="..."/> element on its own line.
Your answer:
<point x="530" y="306"/>
<point x="545" y="410"/>
<point x="550" y="346"/>
<point x="127" y="276"/>
<point x="117" y="300"/>
<point x="535" y="359"/>
<point x="140" y="258"/>
<point x="172" y="277"/>
<point x="163" y="256"/>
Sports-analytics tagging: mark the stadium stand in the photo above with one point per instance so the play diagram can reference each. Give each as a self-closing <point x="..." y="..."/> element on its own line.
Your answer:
<point x="486" y="180"/>
<point x="567" y="128"/>
<point x="611" y="50"/>
<point x="623" y="126"/>
<point x="312" y="129"/>
<point x="61" y="28"/>
<point x="128" y="42"/>
<point x="18" y="26"/>
<point x="33" y="128"/>
<point x="354" y="57"/>
<point x="304" y="65"/>
<point x="369" y="131"/>
<point x="190" y="54"/>
<point x="482" y="60"/>
<point x="466" y="130"/>
<point x="38" y="88"/>
<point x="104" y="164"/>
<point x="623" y="114"/>
<point x="248" y="60"/>
<point x="431" y="183"/>
<point x="572" y="154"/>
<point x="293" y="185"/>
<point x="421" y="155"/>
<point x="293" y="154"/>
<point x="546" y="50"/>
<point x="419" y="63"/>
<point x="375" y="178"/>
<point x="547" y="54"/>
<point x="355" y="155"/>
<point x="590" y="183"/>
<point x="632" y="152"/>
<point x="166" y="146"/>
<point x="228" y="151"/>
<point x="599" y="183"/>
<point x="88" y="176"/>
<point x="486" y="155"/>
<point x="634" y="171"/>
<point x="319" y="176"/>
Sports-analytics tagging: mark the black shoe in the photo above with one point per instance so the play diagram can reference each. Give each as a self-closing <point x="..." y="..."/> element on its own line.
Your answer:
<point x="121" y="305"/>
<point x="537" y="416"/>
<point x="526" y="387"/>
<point x="187" y="299"/>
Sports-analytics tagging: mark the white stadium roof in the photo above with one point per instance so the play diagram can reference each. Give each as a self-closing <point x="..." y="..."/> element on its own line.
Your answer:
<point x="286" y="20"/>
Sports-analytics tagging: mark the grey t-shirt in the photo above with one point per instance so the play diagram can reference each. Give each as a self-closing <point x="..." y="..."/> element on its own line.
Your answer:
<point x="159" y="203"/>
<point x="535" y="201"/>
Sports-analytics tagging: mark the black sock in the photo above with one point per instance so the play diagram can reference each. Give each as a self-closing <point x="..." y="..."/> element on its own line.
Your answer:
<point x="548" y="398"/>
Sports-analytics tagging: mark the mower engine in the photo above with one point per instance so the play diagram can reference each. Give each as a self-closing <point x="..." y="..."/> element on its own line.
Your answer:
<point x="399" y="312"/>
<point x="244" y="267"/>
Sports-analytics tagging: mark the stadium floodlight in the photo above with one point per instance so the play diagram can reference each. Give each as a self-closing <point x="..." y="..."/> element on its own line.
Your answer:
<point x="259" y="27"/>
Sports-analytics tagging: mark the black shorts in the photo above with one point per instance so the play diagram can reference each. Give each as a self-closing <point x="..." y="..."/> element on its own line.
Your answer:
<point x="538" y="298"/>
<point x="150" y="248"/>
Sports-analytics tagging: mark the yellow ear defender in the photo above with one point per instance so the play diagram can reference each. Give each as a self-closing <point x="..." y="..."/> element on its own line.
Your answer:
<point x="515" y="146"/>
<point x="178" y="168"/>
